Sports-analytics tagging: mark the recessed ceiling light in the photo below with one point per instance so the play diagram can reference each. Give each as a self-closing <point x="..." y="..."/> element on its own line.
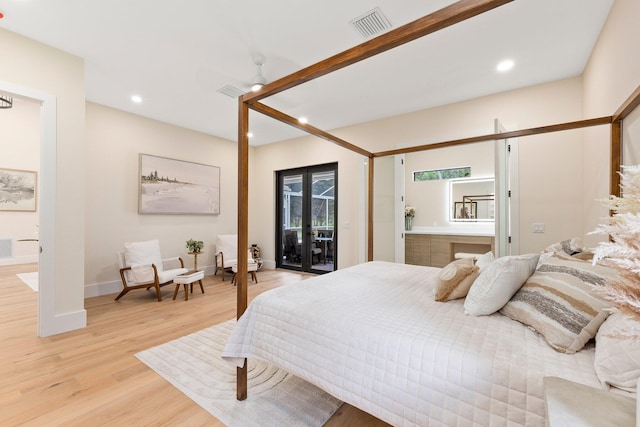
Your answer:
<point x="136" y="98"/>
<point x="505" y="65"/>
<point x="303" y="120"/>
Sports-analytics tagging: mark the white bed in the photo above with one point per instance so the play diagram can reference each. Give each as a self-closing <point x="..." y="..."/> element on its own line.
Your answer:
<point x="373" y="336"/>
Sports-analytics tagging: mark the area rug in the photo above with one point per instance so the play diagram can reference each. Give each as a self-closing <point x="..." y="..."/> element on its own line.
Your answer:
<point x="193" y="364"/>
<point x="31" y="279"/>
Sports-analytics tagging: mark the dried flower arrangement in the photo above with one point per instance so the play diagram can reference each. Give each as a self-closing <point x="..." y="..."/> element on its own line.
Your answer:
<point x="409" y="211"/>
<point x="623" y="250"/>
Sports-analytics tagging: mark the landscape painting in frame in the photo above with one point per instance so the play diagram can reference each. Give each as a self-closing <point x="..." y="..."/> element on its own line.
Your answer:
<point x="18" y="190"/>
<point x="169" y="186"/>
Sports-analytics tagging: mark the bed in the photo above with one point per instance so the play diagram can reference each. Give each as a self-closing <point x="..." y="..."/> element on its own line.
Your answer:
<point x="373" y="336"/>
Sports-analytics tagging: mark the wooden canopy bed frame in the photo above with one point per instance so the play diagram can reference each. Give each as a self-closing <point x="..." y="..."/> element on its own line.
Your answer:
<point x="448" y="16"/>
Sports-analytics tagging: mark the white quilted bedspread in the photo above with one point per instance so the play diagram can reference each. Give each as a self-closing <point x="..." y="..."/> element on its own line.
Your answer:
<point x="372" y="336"/>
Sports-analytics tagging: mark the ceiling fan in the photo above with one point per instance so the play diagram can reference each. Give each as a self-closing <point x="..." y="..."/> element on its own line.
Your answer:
<point x="258" y="80"/>
<point x="255" y="84"/>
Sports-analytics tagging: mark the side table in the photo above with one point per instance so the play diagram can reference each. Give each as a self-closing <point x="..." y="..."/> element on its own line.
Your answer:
<point x="187" y="280"/>
<point x="195" y="258"/>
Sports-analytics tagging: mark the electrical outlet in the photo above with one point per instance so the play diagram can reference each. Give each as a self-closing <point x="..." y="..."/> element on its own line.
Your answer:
<point x="538" y="227"/>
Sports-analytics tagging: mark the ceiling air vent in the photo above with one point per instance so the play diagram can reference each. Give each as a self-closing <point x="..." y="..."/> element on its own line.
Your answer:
<point x="231" y="91"/>
<point x="371" y="23"/>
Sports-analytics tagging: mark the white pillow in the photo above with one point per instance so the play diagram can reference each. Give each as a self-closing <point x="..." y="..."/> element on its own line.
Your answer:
<point x="498" y="282"/>
<point x="139" y="254"/>
<point x="617" y="359"/>
<point x="484" y="260"/>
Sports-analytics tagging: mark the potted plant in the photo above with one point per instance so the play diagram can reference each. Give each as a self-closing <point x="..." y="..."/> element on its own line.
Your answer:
<point x="195" y="245"/>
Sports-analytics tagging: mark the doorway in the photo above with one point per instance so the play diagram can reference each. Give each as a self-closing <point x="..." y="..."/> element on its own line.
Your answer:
<point x="307" y="210"/>
<point x="48" y="324"/>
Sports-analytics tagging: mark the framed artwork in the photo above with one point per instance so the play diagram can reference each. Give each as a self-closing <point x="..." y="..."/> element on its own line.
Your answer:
<point x="466" y="210"/>
<point x="18" y="190"/>
<point x="170" y="186"/>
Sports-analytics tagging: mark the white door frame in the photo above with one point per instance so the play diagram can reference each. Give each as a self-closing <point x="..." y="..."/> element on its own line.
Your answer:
<point x="46" y="202"/>
<point x="399" y="204"/>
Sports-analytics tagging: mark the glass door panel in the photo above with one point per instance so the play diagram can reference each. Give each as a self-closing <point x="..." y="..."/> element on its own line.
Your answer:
<point x="322" y="219"/>
<point x="292" y="192"/>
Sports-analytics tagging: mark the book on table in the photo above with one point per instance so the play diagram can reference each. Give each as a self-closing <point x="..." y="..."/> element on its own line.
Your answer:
<point x="189" y="274"/>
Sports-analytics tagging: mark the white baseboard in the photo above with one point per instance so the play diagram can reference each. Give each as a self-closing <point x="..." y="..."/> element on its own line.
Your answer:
<point x="64" y="323"/>
<point x="269" y="264"/>
<point x="27" y="259"/>
<point x="114" y="287"/>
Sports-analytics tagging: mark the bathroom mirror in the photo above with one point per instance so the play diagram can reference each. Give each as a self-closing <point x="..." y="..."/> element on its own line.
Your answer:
<point x="472" y="200"/>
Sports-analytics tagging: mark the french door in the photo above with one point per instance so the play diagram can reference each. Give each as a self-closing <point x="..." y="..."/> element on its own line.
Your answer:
<point x="307" y="206"/>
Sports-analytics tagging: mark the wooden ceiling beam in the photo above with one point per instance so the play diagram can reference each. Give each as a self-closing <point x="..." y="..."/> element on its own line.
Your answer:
<point x="278" y="115"/>
<point x="504" y="135"/>
<point x="443" y="18"/>
<point x="628" y="106"/>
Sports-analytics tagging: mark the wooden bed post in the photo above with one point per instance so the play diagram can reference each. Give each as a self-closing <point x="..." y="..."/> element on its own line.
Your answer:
<point x="243" y="230"/>
<point x="616" y="158"/>
<point x="370" y="212"/>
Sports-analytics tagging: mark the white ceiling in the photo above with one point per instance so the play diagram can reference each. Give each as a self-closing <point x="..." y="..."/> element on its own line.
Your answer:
<point x="177" y="54"/>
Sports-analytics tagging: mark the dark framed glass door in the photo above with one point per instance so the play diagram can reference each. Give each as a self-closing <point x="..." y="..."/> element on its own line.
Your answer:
<point x="307" y="212"/>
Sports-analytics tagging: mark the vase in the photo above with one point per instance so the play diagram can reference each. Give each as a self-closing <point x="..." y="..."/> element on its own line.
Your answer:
<point x="408" y="223"/>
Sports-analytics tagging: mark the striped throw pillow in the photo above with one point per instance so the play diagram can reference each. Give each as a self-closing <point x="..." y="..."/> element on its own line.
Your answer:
<point x="559" y="301"/>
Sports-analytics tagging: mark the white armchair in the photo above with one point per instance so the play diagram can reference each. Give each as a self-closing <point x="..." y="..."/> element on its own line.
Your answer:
<point x="226" y="253"/>
<point x="142" y="266"/>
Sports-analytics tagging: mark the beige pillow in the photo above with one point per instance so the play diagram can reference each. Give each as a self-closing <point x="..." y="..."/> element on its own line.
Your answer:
<point x="455" y="279"/>
<point x="559" y="301"/>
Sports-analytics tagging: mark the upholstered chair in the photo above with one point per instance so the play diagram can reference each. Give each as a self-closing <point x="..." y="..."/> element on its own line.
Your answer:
<point x="142" y="267"/>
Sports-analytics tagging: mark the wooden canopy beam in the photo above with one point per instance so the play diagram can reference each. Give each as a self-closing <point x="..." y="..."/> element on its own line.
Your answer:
<point x="443" y="18"/>
<point x="278" y="115"/>
<point x="504" y="135"/>
<point x="628" y="106"/>
<point x="243" y="232"/>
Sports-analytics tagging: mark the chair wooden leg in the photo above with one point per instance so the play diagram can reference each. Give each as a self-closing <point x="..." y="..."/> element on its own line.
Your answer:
<point x="254" y="276"/>
<point x="157" y="286"/>
<point x="175" y="293"/>
<point x="233" y="278"/>
<point x="123" y="293"/>
<point x="201" y="287"/>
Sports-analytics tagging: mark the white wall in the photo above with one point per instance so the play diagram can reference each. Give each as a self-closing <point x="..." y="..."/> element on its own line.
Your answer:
<point x="265" y="160"/>
<point x="114" y="141"/>
<point x="611" y="75"/>
<point x="431" y="198"/>
<point x="550" y="168"/>
<point x="43" y="69"/>
<point x="20" y="149"/>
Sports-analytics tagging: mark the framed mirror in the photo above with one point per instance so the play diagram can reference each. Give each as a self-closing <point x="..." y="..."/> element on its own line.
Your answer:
<point x="472" y="200"/>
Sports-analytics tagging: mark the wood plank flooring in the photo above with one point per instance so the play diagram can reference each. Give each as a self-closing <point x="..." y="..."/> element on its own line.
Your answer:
<point x="90" y="377"/>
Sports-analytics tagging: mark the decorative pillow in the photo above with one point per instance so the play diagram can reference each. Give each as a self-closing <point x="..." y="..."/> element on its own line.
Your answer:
<point x="455" y="279"/>
<point x="570" y="246"/>
<point x="139" y="254"/>
<point x="498" y="282"/>
<point x="617" y="360"/>
<point x="484" y="260"/>
<point x="559" y="301"/>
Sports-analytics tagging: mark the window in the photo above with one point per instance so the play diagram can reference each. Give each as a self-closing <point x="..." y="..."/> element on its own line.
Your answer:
<point x="434" y="174"/>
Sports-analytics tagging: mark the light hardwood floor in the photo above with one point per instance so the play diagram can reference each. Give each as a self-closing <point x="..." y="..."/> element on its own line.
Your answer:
<point x="90" y="377"/>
